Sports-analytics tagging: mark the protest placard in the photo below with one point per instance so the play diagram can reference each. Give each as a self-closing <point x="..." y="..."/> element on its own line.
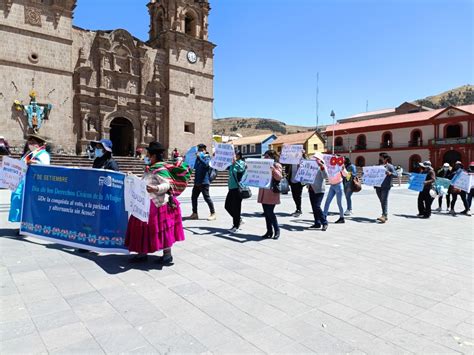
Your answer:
<point x="258" y="173"/>
<point x="223" y="156"/>
<point x="333" y="164"/>
<point x="417" y="182"/>
<point x="12" y="171"/>
<point x="190" y="157"/>
<point x="463" y="181"/>
<point x="307" y="171"/>
<point x="81" y="208"/>
<point x="137" y="200"/>
<point x="291" y="154"/>
<point x="374" y="175"/>
<point x="442" y="185"/>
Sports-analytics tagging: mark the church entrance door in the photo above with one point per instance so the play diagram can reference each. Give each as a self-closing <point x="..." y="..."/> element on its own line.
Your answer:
<point x="121" y="135"/>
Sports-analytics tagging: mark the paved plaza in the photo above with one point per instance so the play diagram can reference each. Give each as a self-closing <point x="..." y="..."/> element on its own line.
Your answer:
<point x="360" y="287"/>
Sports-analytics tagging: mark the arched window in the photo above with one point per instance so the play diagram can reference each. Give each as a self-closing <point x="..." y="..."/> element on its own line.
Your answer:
<point x="338" y="142"/>
<point x="416" y="138"/>
<point x="190" y="24"/>
<point x="453" y="131"/>
<point x="387" y="141"/>
<point x="413" y="163"/>
<point x="360" y="161"/>
<point x="361" y="142"/>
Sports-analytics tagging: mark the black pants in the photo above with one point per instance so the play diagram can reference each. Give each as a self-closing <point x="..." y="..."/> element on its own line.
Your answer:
<point x="296" y="192"/>
<point x="463" y="195"/>
<point x="382" y="194"/>
<point x="424" y="203"/>
<point x="319" y="216"/>
<point x="270" y="218"/>
<point x="197" y="189"/>
<point x="448" y="200"/>
<point x="233" y="205"/>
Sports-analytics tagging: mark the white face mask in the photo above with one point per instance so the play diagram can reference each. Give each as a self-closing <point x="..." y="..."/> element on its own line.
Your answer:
<point x="99" y="153"/>
<point x="33" y="147"/>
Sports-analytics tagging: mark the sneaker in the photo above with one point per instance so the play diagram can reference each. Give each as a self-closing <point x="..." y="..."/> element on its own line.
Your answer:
<point x="242" y="221"/>
<point x="466" y="213"/>
<point x="234" y="230"/>
<point x="297" y="213"/>
<point x="315" y="226"/>
<point x="348" y="213"/>
<point x="340" y="221"/>
<point x="324" y="228"/>
<point x="438" y="209"/>
<point x="212" y="217"/>
<point x="382" y="219"/>
<point x="452" y="212"/>
<point x="194" y="216"/>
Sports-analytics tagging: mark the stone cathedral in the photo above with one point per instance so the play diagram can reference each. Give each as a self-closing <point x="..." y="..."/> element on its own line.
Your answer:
<point x="74" y="85"/>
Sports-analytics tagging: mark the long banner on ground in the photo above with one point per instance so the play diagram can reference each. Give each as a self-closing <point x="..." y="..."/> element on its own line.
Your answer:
<point x="81" y="208"/>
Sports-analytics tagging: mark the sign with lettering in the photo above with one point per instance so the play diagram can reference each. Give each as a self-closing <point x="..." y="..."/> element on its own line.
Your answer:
<point x="12" y="171"/>
<point x="223" y="156"/>
<point x="137" y="200"/>
<point x="417" y="182"/>
<point x="333" y="164"/>
<point x="374" y="175"/>
<point x="307" y="171"/>
<point x="291" y="154"/>
<point x="463" y="181"/>
<point x="258" y="173"/>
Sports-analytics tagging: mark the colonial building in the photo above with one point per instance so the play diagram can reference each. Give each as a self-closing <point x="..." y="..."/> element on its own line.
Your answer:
<point x="312" y="141"/>
<point x="90" y="85"/>
<point x="444" y="135"/>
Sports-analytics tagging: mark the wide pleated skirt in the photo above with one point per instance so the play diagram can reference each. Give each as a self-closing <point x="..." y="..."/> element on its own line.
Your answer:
<point x="164" y="228"/>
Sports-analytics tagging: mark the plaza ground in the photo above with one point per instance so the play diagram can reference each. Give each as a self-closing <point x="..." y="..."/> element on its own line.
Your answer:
<point x="361" y="287"/>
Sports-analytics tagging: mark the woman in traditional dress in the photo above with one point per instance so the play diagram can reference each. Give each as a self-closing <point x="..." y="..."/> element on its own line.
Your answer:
<point x="35" y="153"/>
<point x="164" y="226"/>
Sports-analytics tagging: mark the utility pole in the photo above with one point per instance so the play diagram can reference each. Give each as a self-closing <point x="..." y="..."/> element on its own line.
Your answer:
<point x="317" y="101"/>
<point x="333" y="115"/>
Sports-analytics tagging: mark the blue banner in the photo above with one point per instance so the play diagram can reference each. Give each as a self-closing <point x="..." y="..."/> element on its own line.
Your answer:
<point x="417" y="182"/>
<point x="82" y="208"/>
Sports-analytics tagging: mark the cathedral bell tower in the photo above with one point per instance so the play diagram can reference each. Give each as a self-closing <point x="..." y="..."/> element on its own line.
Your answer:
<point x="179" y="30"/>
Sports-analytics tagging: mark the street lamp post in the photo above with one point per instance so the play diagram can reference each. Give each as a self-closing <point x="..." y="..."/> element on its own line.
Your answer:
<point x="333" y="115"/>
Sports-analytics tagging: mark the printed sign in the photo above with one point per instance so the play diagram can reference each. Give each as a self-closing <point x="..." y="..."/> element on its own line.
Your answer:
<point x="12" y="171"/>
<point x="463" y="181"/>
<point x="307" y="171"/>
<point x="190" y="157"/>
<point x="81" y="208"/>
<point x="291" y="154"/>
<point x="137" y="200"/>
<point x="417" y="182"/>
<point x="223" y="156"/>
<point x="258" y="173"/>
<point x="333" y="164"/>
<point x="374" y="175"/>
<point x="442" y="185"/>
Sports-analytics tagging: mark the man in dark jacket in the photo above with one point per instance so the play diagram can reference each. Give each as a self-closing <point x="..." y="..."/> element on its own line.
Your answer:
<point x="424" y="197"/>
<point x="202" y="183"/>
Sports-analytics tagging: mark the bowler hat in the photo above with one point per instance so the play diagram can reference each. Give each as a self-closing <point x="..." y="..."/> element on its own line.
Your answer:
<point x="155" y="147"/>
<point x="37" y="137"/>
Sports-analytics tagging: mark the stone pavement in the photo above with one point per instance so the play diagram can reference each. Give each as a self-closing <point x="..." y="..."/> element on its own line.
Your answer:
<point x="361" y="287"/>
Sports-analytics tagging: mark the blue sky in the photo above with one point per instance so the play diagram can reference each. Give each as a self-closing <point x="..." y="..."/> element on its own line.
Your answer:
<point x="269" y="51"/>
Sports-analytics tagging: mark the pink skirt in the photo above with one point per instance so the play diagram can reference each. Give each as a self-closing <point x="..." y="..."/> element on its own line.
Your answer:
<point x="164" y="228"/>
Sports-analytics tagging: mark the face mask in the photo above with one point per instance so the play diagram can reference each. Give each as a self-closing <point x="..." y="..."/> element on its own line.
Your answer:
<point x="445" y="169"/>
<point x="99" y="153"/>
<point x="203" y="154"/>
<point x="147" y="161"/>
<point x="32" y="147"/>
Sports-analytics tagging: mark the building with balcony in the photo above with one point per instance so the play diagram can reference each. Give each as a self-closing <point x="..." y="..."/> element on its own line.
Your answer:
<point x="254" y="146"/>
<point x="443" y="135"/>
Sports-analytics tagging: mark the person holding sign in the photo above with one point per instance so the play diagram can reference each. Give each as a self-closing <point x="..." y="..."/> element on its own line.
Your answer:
<point x="351" y="174"/>
<point x="336" y="189"/>
<point x="424" y="197"/>
<point x="458" y="169"/>
<point x="296" y="186"/>
<point x="471" y="191"/>
<point x="384" y="189"/>
<point x="316" y="194"/>
<point x="444" y="173"/>
<point x="164" y="226"/>
<point x="233" y="201"/>
<point x="35" y="154"/>
<point x="269" y="198"/>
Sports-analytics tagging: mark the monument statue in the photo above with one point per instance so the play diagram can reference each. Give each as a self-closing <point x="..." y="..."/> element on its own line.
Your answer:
<point x="35" y="112"/>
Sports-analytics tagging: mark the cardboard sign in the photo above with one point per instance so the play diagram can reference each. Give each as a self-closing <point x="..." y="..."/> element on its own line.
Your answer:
<point x="417" y="182"/>
<point x="190" y="157"/>
<point x="258" y="173"/>
<point x="442" y="185"/>
<point x="333" y="164"/>
<point x="463" y="181"/>
<point x="12" y="171"/>
<point x="291" y="154"/>
<point x="137" y="200"/>
<point x="223" y="156"/>
<point x="374" y="175"/>
<point x="307" y="171"/>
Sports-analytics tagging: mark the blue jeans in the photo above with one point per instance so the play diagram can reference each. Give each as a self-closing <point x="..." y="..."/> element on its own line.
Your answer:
<point x="382" y="194"/>
<point x="316" y="199"/>
<point x="334" y="190"/>
<point x="348" y="192"/>
<point x="270" y="218"/>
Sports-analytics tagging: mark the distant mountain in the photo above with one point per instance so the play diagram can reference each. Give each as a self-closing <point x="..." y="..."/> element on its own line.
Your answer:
<point x="254" y="126"/>
<point x="463" y="95"/>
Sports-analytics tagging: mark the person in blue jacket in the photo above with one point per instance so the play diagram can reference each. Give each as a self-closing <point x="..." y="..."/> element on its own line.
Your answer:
<point x="202" y="183"/>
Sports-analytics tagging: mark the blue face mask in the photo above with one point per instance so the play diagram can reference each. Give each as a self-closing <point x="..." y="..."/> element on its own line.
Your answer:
<point x="99" y="153"/>
<point x="147" y="161"/>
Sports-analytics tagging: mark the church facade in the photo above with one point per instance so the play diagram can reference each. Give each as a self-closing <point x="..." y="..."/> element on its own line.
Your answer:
<point x="91" y="85"/>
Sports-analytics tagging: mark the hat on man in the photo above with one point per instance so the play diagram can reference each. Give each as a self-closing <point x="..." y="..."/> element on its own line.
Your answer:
<point x="425" y="164"/>
<point x="446" y="165"/>
<point x="155" y="147"/>
<point x="106" y="143"/>
<point x="37" y="138"/>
